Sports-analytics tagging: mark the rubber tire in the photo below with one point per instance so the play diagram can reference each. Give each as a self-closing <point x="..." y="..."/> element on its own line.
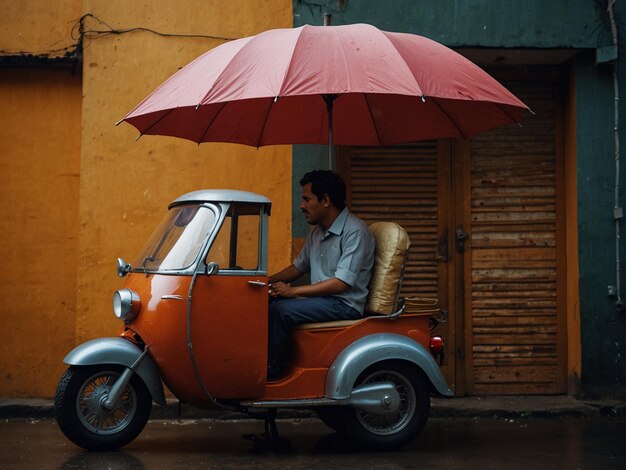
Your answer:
<point x="66" y="414"/>
<point x="357" y="432"/>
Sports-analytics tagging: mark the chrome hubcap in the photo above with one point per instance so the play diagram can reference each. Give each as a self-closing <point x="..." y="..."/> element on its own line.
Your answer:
<point x="91" y="409"/>
<point x="394" y="421"/>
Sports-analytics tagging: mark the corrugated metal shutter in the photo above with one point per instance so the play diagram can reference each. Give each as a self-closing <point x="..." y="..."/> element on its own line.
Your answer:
<point x="400" y="184"/>
<point x="514" y="308"/>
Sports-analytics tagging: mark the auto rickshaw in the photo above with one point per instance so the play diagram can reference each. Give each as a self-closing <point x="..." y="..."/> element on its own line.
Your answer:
<point x="194" y="308"/>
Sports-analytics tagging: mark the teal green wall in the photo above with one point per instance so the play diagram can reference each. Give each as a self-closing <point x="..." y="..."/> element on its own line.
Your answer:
<point x="305" y="158"/>
<point x="603" y="330"/>
<point x="579" y="24"/>
<point x="486" y="23"/>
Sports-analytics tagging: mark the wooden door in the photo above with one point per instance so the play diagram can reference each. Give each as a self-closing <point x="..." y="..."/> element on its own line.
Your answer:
<point x="514" y="310"/>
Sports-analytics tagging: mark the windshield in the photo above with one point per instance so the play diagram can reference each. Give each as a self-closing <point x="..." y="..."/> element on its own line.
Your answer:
<point x="175" y="244"/>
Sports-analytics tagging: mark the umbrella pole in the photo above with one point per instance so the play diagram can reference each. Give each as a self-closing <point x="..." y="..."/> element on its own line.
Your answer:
<point x="329" y="108"/>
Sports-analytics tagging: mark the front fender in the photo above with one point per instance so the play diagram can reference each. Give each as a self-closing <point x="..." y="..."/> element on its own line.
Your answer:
<point x="122" y="352"/>
<point x="371" y="349"/>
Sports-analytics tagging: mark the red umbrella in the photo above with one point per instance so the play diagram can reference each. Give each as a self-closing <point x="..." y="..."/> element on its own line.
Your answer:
<point x="354" y="85"/>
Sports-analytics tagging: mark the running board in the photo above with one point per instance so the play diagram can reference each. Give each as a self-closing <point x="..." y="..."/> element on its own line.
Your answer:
<point x="303" y="403"/>
<point x="379" y="398"/>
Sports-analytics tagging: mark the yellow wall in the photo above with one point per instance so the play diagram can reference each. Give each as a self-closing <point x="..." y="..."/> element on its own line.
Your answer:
<point x="126" y="185"/>
<point x="39" y="165"/>
<point x="39" y="181"/>
<point x="77" y="192"/>
<point x="38" y="26"/>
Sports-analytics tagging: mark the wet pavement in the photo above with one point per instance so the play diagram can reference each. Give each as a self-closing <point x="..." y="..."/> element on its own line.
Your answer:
<point x="510" y="406"/>
<point x="446" y="443"/>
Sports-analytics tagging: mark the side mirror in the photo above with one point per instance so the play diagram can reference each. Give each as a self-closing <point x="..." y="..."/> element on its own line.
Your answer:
<point x="123" y="268"/>
<point x="212" y="268"/>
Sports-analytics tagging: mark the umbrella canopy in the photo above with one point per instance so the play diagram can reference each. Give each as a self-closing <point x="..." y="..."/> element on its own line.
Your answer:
<point x="283" y="86"/>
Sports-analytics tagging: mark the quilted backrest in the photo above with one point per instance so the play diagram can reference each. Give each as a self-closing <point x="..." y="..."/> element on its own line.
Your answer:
<point x="392" y="247"/>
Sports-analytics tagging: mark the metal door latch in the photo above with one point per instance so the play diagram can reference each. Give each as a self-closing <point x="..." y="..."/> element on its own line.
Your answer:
<point x="461" y="236"/>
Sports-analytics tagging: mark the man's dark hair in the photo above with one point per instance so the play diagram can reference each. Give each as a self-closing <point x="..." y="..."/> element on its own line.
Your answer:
<point x="326" y="182"/>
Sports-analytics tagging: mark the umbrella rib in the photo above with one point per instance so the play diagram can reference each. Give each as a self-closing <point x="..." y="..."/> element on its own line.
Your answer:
<point x="223" y="105"/>
<point x="506" y="113"/>
<point x="417" y="84"/>
<point x="223" y="72"/>
<point x="141" y="133"/>
<point x="267" y="115"/>
<point x="288" y="69"/>
<point x="450" y="119"/>
<point x="369" y="108"/>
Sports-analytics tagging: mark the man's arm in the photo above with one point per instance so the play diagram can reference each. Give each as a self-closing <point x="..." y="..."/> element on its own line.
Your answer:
<point x="328" y="287"/>
<point x="357" y="250"/>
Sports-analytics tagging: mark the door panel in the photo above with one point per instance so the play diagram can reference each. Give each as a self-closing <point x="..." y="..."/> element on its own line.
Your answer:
<point x="515" y="225"/>
<point x="229" y="334"/>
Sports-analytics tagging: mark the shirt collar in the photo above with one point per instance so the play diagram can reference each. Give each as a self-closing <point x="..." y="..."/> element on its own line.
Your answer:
<point x="337" y="227"/>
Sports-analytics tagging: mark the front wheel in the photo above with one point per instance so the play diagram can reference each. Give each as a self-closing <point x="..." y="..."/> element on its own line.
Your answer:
<point x="79" y="410"/>
<point x="393" y="430"/>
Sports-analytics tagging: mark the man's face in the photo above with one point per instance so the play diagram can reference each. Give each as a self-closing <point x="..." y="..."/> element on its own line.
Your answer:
<point x="314" y="211"/>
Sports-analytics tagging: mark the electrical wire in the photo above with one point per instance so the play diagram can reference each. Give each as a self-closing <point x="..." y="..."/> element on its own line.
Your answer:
<point x="84" y="35"/>
<point x="96" y="33"/>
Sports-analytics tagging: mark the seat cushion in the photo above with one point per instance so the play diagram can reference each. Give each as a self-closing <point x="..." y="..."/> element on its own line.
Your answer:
<point x="392" y="247"/>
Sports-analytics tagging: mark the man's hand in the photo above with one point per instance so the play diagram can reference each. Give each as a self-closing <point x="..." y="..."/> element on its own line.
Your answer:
<point x="280" y="289"/>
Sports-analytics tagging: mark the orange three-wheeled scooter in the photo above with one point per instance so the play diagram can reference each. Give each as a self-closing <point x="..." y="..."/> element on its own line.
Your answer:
<point x="194" y="308"/>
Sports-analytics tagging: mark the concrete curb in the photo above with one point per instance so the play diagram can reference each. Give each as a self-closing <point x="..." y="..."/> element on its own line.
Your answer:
<point x="525" y="407"/>
<point x="503" y="407"/>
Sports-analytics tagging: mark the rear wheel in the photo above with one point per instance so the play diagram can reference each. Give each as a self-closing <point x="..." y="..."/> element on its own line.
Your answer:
<point x="79" y="410"/>
<point x="390" y="430"/>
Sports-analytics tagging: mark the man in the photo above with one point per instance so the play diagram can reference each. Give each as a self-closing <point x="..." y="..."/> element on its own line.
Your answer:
<point x="338" y="254"/>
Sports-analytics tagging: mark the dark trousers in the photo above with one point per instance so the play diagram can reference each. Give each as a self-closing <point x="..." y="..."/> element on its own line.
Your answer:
<point x="284" y="314"/>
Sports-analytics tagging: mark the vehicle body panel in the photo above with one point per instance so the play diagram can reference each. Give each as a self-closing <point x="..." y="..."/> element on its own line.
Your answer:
<point x="162" y="326"/>
<point x="368" y="350"/>
<point x="229" y="334"/>
<point x="315" y="352"/>
<point x="122" y="352"/>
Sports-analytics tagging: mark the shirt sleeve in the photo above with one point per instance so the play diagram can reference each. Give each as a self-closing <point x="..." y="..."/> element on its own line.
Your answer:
<point x="356" y="247"/>
<point x="303" y="261"/>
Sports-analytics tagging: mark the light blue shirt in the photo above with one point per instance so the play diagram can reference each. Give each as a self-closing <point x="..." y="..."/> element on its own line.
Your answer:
<point x="346" y="252"/>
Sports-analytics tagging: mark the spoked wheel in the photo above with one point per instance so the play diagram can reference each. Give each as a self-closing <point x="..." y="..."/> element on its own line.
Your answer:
<point x="387" y="431"/>
<point x="79" y="407"/>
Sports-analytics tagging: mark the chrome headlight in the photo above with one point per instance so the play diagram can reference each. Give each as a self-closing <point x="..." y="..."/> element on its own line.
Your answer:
<point x="126" y="305"/>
